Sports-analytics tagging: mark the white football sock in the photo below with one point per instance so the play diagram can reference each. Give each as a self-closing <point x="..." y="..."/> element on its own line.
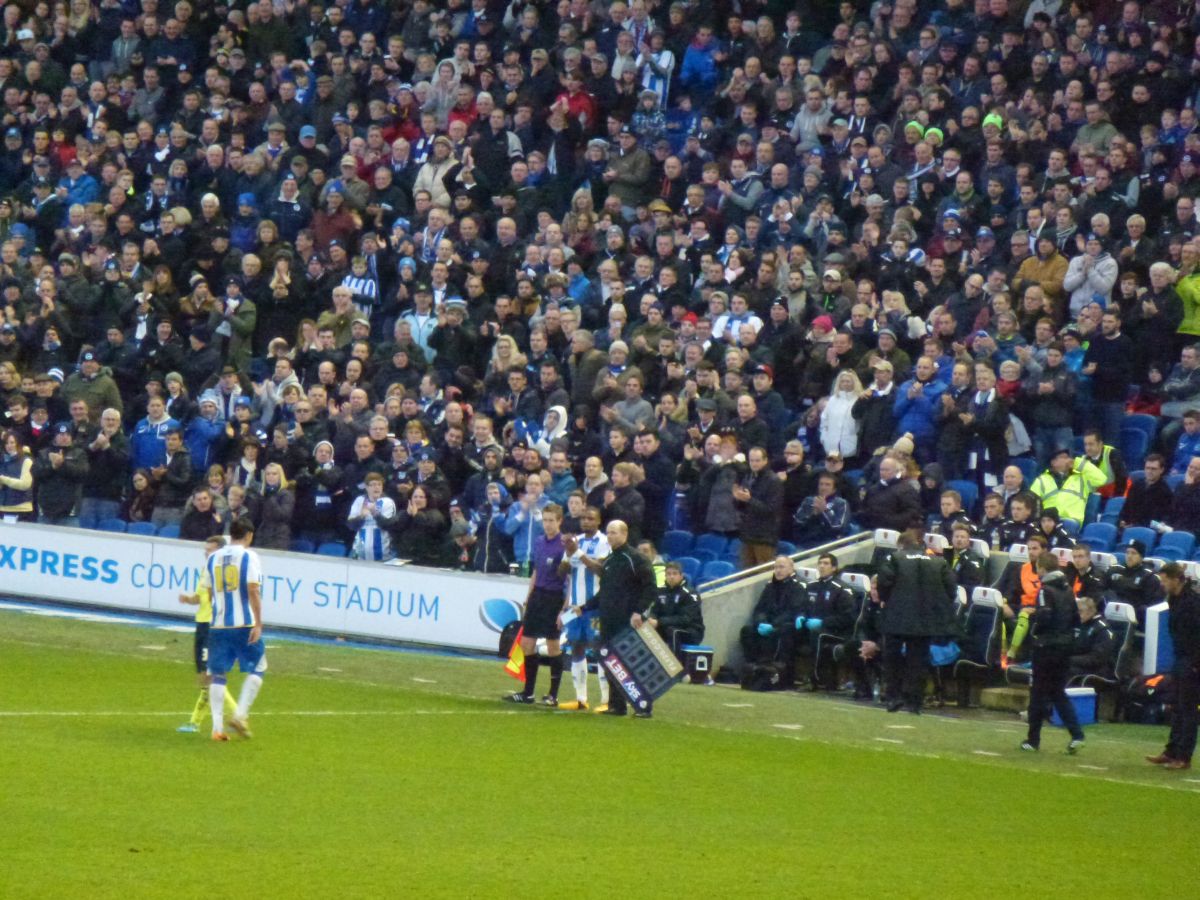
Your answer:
<point x="603" y="685"/>
<point x="579" y="678"/>
<point x="216" y="704"/>
<point x="249" y="691"/>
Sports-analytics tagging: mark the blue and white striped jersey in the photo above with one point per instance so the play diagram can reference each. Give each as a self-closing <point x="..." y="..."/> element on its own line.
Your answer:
<point x="231" y="571"/>
<point x="585" y="583"/>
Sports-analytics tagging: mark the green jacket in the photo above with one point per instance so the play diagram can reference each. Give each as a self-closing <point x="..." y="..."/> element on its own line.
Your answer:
<point x="1188" y="289"/>
<point x="1069" y="498"/>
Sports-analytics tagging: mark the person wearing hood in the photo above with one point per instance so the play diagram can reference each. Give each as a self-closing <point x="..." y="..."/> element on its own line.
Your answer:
<point x="839" y="428"/>
<point x="554" y="426"/>
<point x="493" y="547"/>
<point x="317" y="490"/>
<point x="243" y="226"/>
<point x="1047" y="268"/>
<point x="290" y="212"/>
<point x="203" y="431"/>
<point x="1093" y="272"/>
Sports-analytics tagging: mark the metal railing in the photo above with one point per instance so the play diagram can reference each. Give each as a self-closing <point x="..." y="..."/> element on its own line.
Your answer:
<point x="831" y="546"/>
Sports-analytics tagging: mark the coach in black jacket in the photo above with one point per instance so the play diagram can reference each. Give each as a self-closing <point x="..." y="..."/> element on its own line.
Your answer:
<point x="890" y="501"/>
<point x="1184" y="622"/>
<point x="676" y="613"/>
<point x="771" y="634"/>
<point x="918" y="593"/>
<point x="1054" y="621"/>
<point x="626" y="588"/>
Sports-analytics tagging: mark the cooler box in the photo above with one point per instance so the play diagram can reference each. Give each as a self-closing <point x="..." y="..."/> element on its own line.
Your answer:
<point x="1084" y="701"/>
<point x="697" y="664"/>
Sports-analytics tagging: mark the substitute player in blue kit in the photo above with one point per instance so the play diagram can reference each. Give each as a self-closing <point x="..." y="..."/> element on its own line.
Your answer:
<point x="235" y="574"/>
<point x="585" y="555"/>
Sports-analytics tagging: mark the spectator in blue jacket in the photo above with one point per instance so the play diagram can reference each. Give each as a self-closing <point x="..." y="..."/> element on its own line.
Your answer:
<point x="524" y="520"/>
<point x="81" y="187"/>
<point x="700" y="72"/>
<point x="1189" y="443"/>
<point x="149" y="440"/>
<point x="202" y="432"/>
<point x="916" y="402"/>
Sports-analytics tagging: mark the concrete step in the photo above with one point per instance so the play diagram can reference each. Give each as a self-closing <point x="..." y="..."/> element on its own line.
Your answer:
<point x="1007" y="699"/>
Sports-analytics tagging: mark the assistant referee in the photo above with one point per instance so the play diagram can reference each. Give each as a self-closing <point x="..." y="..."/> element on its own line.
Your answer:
<point x="627" y="586"/>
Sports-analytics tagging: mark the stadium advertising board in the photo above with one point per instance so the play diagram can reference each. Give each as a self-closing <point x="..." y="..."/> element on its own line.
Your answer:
<point x="315" y="593"/>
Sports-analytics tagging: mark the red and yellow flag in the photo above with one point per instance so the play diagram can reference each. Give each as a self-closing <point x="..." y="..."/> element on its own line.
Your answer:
<point x="516" y="658"/>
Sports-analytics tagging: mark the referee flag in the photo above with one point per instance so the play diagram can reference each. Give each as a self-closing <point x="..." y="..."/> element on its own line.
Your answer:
<point x="516" y="658"/>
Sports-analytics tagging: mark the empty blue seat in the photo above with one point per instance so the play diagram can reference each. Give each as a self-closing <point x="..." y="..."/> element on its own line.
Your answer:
<point x="300" y="545"/>
<point x="1112" y="511"/>
<point x="1134" y="533"/>
<point x="144" y="529"/>
<point x="112" y="525"/>
<point x="1134" y="445"/>
<point x="1170" y="554"/>
<point x="786" y="548"/>
<point x="676" y="543"/>
<point x="1071" y="527"/>
<point x="169" y="531"/>
<point x="691" y="568"/>
<point x="1091" y="510"/>
<point x="702" y="555"/>
<point x="733" y="552"/>
<point x="332" y="548"/>
<point x="1028" y="466"/>
<point x="1147" y="425"/>
<point x="718" y="568"/>
<point x="1174" y="481"/>
<point x="969" y="491"/>
<point x="1183" y="541"/>
<point x="713" y="543"/>
<point x="1100" y="535"/>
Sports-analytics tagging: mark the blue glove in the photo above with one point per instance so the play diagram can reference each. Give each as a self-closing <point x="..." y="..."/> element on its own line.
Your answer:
<point x="814" y="625"/>
<point x="799" y="622"/>
<point x="766" y="629"/>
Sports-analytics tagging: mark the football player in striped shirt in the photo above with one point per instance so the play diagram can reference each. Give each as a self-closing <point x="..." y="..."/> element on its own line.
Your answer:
<point x="235" y="574"/>
<point x="584" y="558"/>
<point x="202" y="599"/>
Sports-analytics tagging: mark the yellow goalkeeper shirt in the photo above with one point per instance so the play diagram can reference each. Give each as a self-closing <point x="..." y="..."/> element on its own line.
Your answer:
<point x="204" y="611"/>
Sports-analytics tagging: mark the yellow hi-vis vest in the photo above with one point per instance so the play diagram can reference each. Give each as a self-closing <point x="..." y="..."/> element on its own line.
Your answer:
<point x="1070" y="499"/>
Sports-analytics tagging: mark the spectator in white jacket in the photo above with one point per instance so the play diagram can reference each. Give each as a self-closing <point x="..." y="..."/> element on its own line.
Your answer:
<point x="839" y="428"/>
<point x="1092" y="272"/>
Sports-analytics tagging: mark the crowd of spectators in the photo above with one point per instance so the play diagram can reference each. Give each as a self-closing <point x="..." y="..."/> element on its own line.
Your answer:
<point x="761" y="270"/>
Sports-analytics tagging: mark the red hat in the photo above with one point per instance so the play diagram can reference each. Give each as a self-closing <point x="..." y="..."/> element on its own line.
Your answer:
<point x="691" y="317"/>
<point x="825" y="323"/>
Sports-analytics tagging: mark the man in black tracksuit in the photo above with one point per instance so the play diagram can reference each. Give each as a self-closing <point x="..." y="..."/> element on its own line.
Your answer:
<point x="1094" y="646"/>
<point x="771" y="633"/>
<point x="1184" y="622"/>
<point x="1054" y="621"/>
<point x="828" y="608"/>
<point x="626" y="588"/>
<point x="675" y="613"/>
<point x="918" y="594"/>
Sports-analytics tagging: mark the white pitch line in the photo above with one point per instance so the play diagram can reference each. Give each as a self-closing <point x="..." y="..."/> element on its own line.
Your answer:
<point x="889" y="740"/>
<point x="327" y="669"/>
<point x="903" y="727"/>
<point x="152" y="647"/>
<point x="787" y="727"/>
<point x="739" y="705"/>
<point x="423" y="680"/>
<point x="984" y="753"/>
<point x="311" y="713"/>
<point x="1094" y="768"/>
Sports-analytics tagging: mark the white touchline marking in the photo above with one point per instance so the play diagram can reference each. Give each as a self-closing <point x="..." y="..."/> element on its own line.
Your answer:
<point x="177" y="629"/>
<point x="152" y="647"/>
<point x="889" y="740"/>
<point x="739" y="705"/>
<point x="787" y="727"/>
<point x="423" y="680"/>
<point x="903" y="727"/>
<point x="327" y="669"/>
<point x="984" y="753"/>
<point x="312" y="713"/>
<point x="1094" y="768"/>
<point x="1193" y="780"/>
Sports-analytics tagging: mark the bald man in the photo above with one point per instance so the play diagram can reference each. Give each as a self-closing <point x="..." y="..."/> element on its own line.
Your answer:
<point x="627" y="586"/>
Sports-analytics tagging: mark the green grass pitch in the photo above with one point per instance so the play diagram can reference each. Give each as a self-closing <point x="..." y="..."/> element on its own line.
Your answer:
<point x="375" y="773"/>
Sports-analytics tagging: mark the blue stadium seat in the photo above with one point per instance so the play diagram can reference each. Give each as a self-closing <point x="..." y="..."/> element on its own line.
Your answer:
<point x="1182" y="541"/>
<point x="718" y="568"/>
<point x="1134" y="533"/>
<point x="144" y="529"/>
<point x="1148" y="425"/>
<point x="713" y="543"/>
<point x="1071" y="527"/>
<point x="1174" y="481"/>
<point x="1134" y="446"/>
<point x="1028" y="466"/>
<point x="1100" y="535"/>
<point x="676" y="543"/>
<point x="786" y="548"/>
<point x="702" y="555"/>
<point x="969" y="491"/>
<point x="1112" y="510"/>
<point x="299" y="545"/>
<point x="169" y="531"/>
<point x="332" y="548"/>
<point x="1170" y="554"/>
<point x="112" y="525"/>
<point x="1091" y="510"/>
<point x="733" y="553"/>
<point x="691" y="568"/>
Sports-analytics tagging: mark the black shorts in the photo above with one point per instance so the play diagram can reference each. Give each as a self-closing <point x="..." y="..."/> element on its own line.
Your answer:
<point x="541" y="614"/>
<point x="200" y="647"/>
